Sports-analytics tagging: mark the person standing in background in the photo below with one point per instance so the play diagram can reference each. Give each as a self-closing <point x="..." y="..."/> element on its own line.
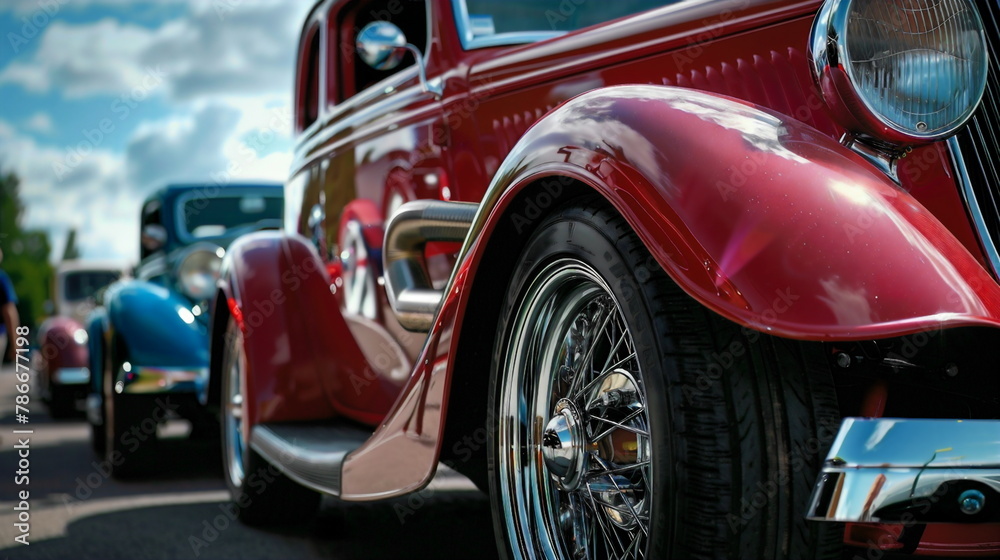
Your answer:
<point x="8" y="310"/>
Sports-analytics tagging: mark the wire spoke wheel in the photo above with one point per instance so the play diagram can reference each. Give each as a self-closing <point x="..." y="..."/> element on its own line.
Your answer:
<point x="577" y="479"/>
<point x="359" y="282"/>
<point x="234" y="441"/>
<point x="620" y="433"/>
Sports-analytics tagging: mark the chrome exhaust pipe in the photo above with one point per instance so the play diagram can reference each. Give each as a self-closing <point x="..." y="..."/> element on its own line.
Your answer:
<point x="899" y="470"/>
<point x="412" y="297"/>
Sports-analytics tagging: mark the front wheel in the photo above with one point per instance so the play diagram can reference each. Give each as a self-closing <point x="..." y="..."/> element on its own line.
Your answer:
<point x="62" y="402"/>
<point x="129" y="430"/>
<point x="633" y="423"/>
<point x="260" y="492"/>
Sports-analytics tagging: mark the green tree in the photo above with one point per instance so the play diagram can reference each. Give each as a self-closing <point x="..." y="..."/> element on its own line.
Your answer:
<point x="26" y="254"/>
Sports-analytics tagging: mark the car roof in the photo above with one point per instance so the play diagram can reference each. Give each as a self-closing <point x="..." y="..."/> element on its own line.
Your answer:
<point x="172" y="190"/>
<point x="74" y="265"/>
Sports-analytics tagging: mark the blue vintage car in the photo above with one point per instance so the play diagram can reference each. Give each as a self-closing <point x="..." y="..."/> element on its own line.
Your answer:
<point x="149" y="338"/>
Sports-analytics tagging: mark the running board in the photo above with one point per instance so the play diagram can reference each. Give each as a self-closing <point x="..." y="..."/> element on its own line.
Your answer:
<point x="308" y="453"/>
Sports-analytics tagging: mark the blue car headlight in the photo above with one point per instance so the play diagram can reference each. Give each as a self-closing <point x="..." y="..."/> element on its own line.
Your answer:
<point x="198" y="271"/>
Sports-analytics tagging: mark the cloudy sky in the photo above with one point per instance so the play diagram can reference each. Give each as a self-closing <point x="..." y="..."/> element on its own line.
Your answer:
<point x="103" y="101"/>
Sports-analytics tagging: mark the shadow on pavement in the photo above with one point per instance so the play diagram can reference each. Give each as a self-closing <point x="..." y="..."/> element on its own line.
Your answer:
<point x="71" y="469"/>
<point x="447" y="525"/>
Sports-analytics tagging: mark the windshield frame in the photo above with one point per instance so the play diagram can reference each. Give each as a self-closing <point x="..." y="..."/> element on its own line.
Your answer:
<point x="64" y="281"/>
<point x="180" y="223"/>
<point x="471" y="42"/>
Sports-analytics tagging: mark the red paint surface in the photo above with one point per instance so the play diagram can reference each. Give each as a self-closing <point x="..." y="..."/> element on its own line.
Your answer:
<point x="58" y="349"/>
<point x="289" y="319"/>
<point x="978" y="540"/>
<point x="762" y="217"/>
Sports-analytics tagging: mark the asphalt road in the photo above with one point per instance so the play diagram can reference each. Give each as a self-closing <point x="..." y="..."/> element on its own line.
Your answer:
<point x="179" y="511"/>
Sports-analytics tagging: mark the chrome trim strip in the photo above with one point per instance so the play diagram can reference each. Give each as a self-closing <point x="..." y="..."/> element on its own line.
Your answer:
<point x="916" y="470"/>
<point x="380" y="99"/>
<point x="150" y="379"/>
<point x="72" y="376"/>
<point x="972" y="204"/>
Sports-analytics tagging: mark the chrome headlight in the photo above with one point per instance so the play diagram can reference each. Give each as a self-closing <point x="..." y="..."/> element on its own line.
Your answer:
<point x="901" y="71"/>
<point x="199" y="270"/>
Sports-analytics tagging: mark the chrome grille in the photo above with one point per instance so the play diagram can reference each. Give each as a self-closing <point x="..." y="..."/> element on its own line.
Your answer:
<point x="977" y="148"/>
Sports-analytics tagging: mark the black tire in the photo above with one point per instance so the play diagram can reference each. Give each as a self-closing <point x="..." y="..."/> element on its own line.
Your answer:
<point x="735" y="423"/>
<point x="98" y="438"/>
<point x="204" y="426"/>
<point x="98" y="434"/>
<point x="130" y="428"/>
<point x="130" y="423"/>
<point x="62" y="402"/>
<point x="260" y="492"/>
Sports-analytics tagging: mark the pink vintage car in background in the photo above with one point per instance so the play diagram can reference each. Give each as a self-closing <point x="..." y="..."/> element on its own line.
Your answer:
<point x="666" y="279"/>
<point x="62" y="368"/>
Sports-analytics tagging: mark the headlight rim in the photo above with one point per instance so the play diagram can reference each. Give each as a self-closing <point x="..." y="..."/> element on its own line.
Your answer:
<point x="831" y="69"/>
<point x="188" y="252"/>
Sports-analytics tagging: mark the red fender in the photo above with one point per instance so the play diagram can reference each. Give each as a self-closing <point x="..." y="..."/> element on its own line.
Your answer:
<point x="763" y="219"/>
<point x="760" y="217"/>
<point x="58" y="347"/>
<point x="302" y="362"/>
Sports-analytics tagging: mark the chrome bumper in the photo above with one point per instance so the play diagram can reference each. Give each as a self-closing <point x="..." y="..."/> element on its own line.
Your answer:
<point x="147" y="379"/>
<point x="72" y="376"/>
<point x="911" y="471"/>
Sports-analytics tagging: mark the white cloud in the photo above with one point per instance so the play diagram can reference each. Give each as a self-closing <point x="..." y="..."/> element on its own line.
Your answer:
<point x="227" y="75"/>
<point x="100" y="194"/>
<point x="53" y="7"/>
<point x="83" y="59"/>
<point x="39" y="122"/>
<point x="181" y="149"/>
<point x="220" y="48"/>
<point x="90" y="198"/>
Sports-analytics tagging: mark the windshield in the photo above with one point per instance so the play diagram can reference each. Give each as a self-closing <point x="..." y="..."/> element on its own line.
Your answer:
<point x="215" y="216"/>
<point x="85" y="283"/>
<point x="496" y="22"/>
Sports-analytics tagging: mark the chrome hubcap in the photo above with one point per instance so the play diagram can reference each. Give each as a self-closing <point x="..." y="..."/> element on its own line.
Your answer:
<point x="563" y="446"/>
<point x="574" y="441"/>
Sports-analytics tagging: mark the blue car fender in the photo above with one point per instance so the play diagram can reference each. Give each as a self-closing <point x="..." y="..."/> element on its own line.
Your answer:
<point x="156" y="326"/>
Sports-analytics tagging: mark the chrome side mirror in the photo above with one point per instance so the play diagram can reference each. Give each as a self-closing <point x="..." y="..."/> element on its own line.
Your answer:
<point x="382" y="46"/>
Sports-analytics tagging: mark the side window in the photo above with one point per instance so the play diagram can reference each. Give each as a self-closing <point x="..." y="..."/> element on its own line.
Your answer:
<point x="307" y="82"/>
<point x="153" y="234"/>
<point x="409" y="15"/>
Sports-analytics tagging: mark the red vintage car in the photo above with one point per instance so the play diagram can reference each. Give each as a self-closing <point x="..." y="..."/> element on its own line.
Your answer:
<point x="62" y="361"/>
<point x="666" y="279"/>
